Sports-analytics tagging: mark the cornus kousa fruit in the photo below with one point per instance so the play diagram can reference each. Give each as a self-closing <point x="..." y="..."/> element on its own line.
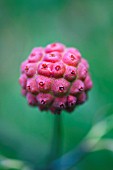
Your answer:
<point x="55" y="78"/>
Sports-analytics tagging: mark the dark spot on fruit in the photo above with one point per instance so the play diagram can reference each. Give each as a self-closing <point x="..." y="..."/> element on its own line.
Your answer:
<point x="44" y="65"/>
<point x="57" y="68"/>
<point x="81" y="88"/>
<point x="71" y="103"/>
<point x="52" y="55"/>
<point x="61" y="88"/>
<point x="85" y="71"/>
<point x="42" y="102"/>
<point x="28" y="87"/>
<point x="62" y="106"/>
<point x="41" y="83"/>
<point x="73" y="72"/>
<point x="72" y="57"/>
<point x="26" y="68"/>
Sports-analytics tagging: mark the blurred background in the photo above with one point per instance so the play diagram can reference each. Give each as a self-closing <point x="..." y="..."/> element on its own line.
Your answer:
<point x="25" y="132"/>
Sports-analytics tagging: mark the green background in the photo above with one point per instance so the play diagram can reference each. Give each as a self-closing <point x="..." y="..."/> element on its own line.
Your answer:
<point x="25" y="132"/>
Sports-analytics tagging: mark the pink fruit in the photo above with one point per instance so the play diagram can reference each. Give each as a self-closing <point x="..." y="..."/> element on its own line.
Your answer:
<point x="52" y="57"/>
<point x="23" y="80"/>
<point x="35" y="55"/>
<point x="60" y="87"/>
<point x="60" y="103"/>
<point x="71" y="57"/>
<point x="70" y="73"/>
<point x="55" y="78"/>
<point x="58" y="69"/>
<point x="44" y="99"/>
<point x="31" y="99"/>
<point x="77" y="87"/>
<point x="22" y="67"/>
<point x="81" y="98"/>
<point x="83" y="61"/>
<point x="43" y="83"/>
<point x="75" y="52"/>
<point x="54" y="47"/>
<point x="88" y="83"/>
<point x="45" y="68"/>
<point x="30" y="69"/>
<point x="71" y="101"/>
<point x="31" y="86"/>
<point x="82" y="71"/>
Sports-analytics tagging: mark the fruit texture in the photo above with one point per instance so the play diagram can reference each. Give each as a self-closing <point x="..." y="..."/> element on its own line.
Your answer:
<point x="55" y="78"/>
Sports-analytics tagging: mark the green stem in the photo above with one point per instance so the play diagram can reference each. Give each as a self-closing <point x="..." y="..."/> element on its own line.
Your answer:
<point x="56" y="143"/>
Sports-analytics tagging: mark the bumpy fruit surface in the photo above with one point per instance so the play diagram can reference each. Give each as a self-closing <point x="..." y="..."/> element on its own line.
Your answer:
<point x="55" y="78"/>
